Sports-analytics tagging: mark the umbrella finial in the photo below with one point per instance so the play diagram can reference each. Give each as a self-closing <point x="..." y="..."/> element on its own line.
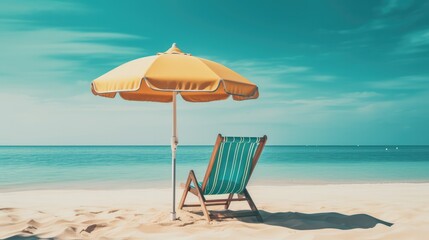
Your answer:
<point x="174" y="49"/>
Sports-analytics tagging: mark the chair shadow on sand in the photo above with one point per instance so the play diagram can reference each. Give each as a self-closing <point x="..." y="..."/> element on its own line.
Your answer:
<point x="312" y="221"/>
<point x="305" y="221"/>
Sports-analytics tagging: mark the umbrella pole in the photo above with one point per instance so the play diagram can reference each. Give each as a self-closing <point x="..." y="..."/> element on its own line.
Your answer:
<point x="174" y="143"/>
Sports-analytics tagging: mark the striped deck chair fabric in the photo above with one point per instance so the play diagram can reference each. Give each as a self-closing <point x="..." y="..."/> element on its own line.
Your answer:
<point x="229" y="170"/>
<point x="232" y="166"/>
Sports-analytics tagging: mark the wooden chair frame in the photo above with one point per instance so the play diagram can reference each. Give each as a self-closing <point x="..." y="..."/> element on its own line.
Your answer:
<point x="198" y="191"/>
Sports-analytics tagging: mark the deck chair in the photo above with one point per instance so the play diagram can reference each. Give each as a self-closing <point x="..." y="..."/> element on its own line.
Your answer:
<point x="229" y="170"/>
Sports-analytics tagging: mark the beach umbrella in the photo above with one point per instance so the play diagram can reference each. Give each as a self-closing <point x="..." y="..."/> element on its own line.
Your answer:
<point x="160" y="78"/>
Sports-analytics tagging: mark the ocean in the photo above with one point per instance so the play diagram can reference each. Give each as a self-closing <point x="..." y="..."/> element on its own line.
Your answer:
<point x="107" y="167"/>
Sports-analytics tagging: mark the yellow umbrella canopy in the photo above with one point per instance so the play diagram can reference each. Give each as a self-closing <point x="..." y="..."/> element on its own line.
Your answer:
<point x="162" y="77"/>
<point x="153" y="79"/>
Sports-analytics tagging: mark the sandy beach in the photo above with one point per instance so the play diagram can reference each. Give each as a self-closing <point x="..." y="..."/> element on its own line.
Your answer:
<point x="337" y="211"/>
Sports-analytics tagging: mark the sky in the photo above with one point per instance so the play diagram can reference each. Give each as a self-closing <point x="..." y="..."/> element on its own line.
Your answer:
<point x="329" y="72"/>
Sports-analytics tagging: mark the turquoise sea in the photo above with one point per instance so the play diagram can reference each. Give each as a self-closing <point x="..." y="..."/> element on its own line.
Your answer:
<point x="87" y="167"/>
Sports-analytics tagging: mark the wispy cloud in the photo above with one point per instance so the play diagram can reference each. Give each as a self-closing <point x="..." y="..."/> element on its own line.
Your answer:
<point x="392" y="6"/>
<point x="350" y="99"/>
<point x="394" y="28"/>
<point x="414" y="42"/>
<point x="413" y="82"/>
<point x="322" y="78"/>
<point x="55" y="55"/>
<point x="267" y="67"/>
<point x="35" y="55"/>
<point x="388" y="15"/>
<point x="278" y="71"/>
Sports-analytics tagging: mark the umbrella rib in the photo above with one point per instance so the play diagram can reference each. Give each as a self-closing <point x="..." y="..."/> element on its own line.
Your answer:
<point x="223" y="82"/>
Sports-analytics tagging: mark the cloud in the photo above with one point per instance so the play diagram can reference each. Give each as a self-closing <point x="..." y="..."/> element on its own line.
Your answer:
<point x="276" y="70"/>
<point x="34" y="57"/>
<point x="389" y="15"/>
<point x="384" y="17"/>
<point x="322" y="78"/>
<point x="280" y="80"/>
<point x="392" y="6"/>
<point x="412" y="82"/>
<point x="350" y="99"/>
<point x="267" y="67"/>
<point x="395" y="28"/>
<point x="414" y="42"/>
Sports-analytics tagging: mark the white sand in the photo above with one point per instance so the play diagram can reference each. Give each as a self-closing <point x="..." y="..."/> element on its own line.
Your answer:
<point x="290" y="212"/>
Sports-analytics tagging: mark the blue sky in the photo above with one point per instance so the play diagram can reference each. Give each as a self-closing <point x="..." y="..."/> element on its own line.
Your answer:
<point x="329" y="72"/>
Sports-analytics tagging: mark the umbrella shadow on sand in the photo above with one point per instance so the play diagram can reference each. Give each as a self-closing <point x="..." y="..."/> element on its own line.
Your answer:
<point x="312" y="221"/>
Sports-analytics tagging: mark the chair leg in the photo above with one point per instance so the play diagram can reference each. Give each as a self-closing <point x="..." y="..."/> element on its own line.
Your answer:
<point x="200" y="196"/>
<point x="253" y="206"/>
<point x="204" y="208"/>
<point x="192" y="178"/>
<point x="185" y="191"/>
<point x="228" y="202"/>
